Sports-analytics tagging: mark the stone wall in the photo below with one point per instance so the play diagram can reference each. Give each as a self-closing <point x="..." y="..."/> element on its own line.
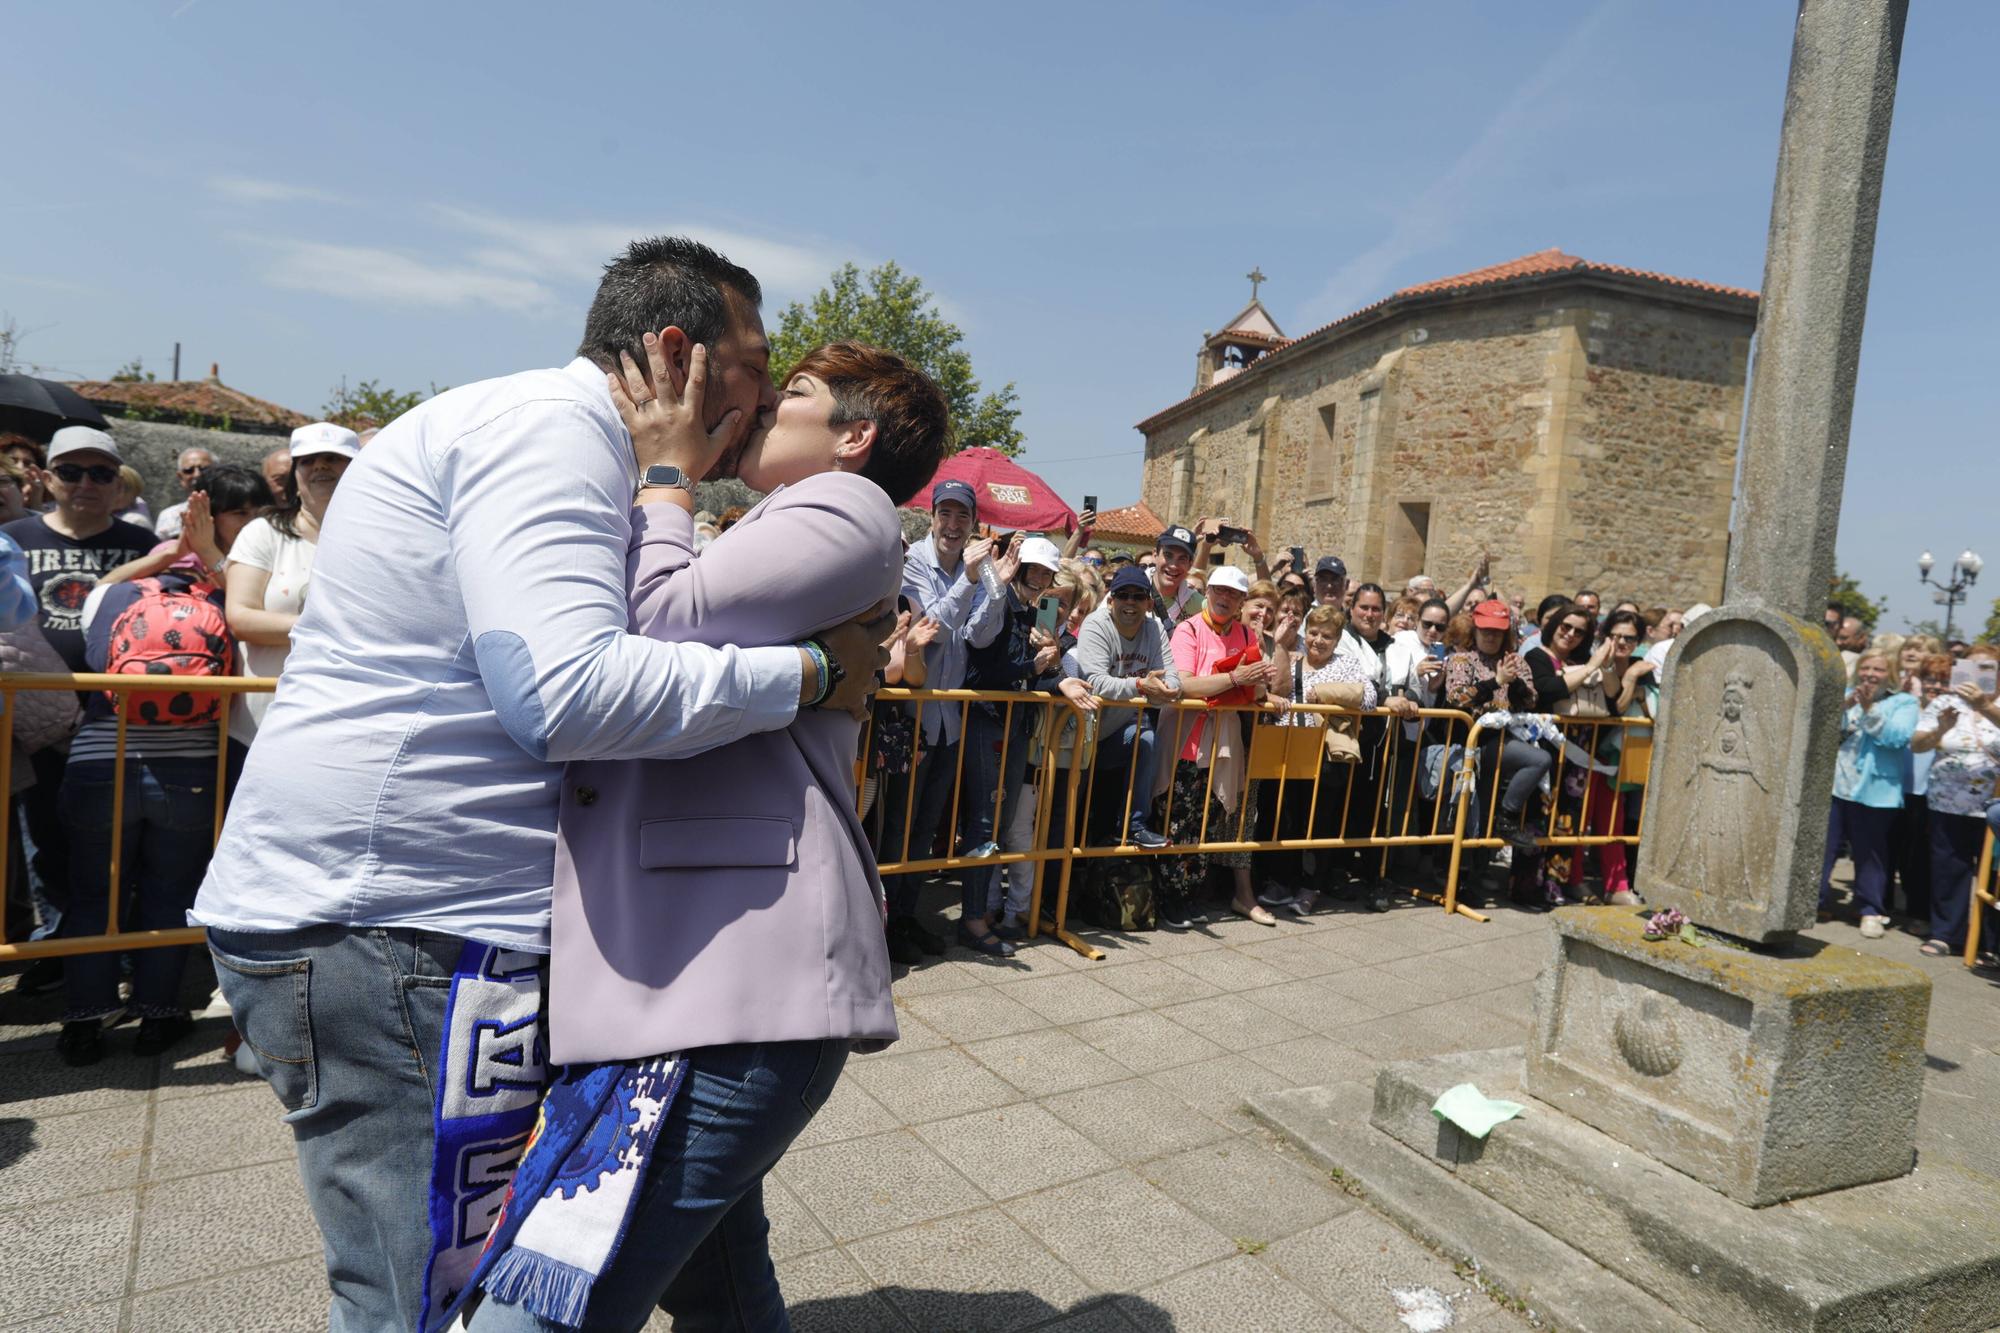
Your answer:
<point x="153" y="446"/>
<point x="1585" y="436"/>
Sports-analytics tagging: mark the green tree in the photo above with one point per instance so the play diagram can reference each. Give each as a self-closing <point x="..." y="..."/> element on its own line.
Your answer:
<point x="133" y="372"/>
<point x="369" y="404"/>
<point x="891" y="309"/>
<point x="1991" y="634"/>
<point x="1844" y="591"/>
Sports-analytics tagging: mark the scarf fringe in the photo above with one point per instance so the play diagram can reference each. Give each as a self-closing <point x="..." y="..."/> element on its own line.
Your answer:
<point x="547" y="1287"/>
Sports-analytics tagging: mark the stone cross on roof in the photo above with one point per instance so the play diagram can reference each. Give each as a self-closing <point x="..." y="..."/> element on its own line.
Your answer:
<point x="1257" y="279"/>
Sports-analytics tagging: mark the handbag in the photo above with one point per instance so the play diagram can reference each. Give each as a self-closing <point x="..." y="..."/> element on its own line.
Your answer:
<point x="1586" y="700"/>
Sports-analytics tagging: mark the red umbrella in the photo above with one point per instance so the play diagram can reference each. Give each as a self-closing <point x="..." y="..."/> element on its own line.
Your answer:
<point x="1010" y="496"/>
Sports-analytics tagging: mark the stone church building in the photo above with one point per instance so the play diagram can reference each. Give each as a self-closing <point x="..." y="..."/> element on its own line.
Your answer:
<point x="1577" y="420"/>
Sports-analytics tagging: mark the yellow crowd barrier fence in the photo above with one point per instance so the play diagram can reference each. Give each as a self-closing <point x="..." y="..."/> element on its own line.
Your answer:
<point x="1983" y="900"/>
<point x="1266" y="781"/>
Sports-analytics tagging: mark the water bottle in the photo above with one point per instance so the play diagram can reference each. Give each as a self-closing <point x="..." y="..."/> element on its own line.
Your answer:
<point x="989" y="579"/>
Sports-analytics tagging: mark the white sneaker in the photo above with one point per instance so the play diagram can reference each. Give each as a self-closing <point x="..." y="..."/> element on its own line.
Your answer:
<point x="1874" y="927"/>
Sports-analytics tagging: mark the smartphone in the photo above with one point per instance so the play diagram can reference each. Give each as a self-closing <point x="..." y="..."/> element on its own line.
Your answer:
<point x="1048" y="615"/>
<point x="1439" y="651"/>
<point x="1232" y="536"/>
<point x="1090" y="503"/>
<point x="1299" y="561"/>
<point x="1981" y="671"/>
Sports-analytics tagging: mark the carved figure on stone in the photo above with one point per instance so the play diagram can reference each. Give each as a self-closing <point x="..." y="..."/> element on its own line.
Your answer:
<point x="1716" y="837"/>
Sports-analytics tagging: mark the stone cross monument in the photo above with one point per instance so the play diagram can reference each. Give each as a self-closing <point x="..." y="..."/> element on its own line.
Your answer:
<point x="1674" y="1093"/>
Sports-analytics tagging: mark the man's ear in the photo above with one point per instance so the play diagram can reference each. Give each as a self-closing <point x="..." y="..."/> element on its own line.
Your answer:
<point x="677" y="350"/>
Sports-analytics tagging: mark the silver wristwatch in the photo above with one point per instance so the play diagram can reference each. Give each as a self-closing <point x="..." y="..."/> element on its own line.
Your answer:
<point x="665" y="474"/>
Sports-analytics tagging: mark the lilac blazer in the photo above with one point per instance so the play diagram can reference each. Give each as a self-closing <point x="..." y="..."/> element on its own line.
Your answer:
<point x="731" y="896"/>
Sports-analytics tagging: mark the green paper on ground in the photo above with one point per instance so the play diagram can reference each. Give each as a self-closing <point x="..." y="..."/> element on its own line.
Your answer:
<point x="1472" y="1110"/>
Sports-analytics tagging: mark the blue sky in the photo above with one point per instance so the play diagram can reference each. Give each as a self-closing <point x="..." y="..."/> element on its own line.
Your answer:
<point x="423" y="193"/>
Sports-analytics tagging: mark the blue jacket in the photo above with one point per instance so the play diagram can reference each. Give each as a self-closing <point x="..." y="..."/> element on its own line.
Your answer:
<point x="1875" y="752"/>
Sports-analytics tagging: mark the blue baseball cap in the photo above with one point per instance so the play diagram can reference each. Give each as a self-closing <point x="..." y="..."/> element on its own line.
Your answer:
<point x="955" y="490"/>
<point x="1331" y="564"/>
<point x="1131" y="576"/>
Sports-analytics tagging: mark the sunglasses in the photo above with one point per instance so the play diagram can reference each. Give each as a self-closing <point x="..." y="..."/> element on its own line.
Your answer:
<point x="1436" y="626"/>
<point x="1624" y="638"/>
<point x="71" y="473"/>
<point x="1570" y="629"/>
<point x="1131" y="595"/>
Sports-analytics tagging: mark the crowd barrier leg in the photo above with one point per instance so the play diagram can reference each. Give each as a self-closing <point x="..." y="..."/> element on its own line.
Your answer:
<point x="1983" y="897"/>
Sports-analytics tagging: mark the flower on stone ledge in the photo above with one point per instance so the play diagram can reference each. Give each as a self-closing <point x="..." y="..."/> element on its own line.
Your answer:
<point x="1669" y="925"/>
<point x="1662" y="925"/>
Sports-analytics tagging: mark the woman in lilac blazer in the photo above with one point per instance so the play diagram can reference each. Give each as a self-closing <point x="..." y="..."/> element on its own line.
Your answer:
<point x="727" y="906"/>
<point x="733" y="896"/>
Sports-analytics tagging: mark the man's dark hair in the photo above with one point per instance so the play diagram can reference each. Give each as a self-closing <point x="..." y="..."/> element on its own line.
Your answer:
<point x="232" y="486"/>
<point x="659" y="281"/>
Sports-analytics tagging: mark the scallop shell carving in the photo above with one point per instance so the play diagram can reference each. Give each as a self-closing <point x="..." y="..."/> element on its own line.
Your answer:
<point x="1648" y="1039"/>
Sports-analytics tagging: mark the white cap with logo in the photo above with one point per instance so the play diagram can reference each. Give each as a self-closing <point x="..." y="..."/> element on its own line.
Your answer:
<point x="323" y="437"/>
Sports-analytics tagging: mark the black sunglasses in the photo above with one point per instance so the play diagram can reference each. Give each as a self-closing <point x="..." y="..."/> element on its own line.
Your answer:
<point x="1439" y="625"/>
<point x="1131" y="595"/>
<point x="71" y="473"/>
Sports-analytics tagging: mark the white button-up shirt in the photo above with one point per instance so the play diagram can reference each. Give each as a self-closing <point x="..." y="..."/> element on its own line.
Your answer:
<point x="465" y="635"/>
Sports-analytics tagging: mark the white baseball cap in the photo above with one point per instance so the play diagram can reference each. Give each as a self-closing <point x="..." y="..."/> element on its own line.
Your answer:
<point x="1040" y="551"/>
<point x="1229" y="576"/>
<point x="77" y="439"/>
<point x="323" y="437"/>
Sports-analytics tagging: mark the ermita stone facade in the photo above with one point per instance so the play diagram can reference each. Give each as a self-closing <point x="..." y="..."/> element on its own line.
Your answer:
<point x="1578" y="421"/>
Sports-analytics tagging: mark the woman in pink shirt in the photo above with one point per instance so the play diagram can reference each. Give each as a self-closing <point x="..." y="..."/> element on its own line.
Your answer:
<point x="1219" y="660"/>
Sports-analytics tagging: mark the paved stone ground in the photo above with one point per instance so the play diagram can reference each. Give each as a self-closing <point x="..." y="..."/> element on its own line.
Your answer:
<point x="1055" y="1143"/>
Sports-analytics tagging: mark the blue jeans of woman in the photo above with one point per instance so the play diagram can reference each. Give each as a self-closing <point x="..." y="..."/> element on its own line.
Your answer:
<point x="1865" y="828"/>
<point x="165" y="835"/>
<point x="1956" y="841"/>
<point x="696" y="1242"/>
<point x="984" y="778"/>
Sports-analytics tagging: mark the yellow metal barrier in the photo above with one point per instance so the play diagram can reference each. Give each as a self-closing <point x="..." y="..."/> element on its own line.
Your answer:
<point x="1604" y="769"/>
<point x="112" y="938"/>
<point x="1063" y="769"/>
<point x="1984" y="899"/>
<point x="1288" y="754"/>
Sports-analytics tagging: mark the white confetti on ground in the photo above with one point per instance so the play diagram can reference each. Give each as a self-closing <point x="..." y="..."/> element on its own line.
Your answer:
<point x="1422" y="1309"/>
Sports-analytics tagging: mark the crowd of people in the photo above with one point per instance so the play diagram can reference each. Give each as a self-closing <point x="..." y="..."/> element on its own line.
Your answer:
<point x="1563" y="698"/>
<point x="210" y="586"/>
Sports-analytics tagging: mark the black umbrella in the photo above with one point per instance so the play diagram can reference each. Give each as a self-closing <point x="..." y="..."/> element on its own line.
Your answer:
<point x="42" y="407"/>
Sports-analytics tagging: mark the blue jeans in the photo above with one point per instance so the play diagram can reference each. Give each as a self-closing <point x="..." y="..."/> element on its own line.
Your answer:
<point x="983" y="777"/>
<point x="346" y="1025"/>
<point x="695" y="1245"/>
<point x="936" y="769"/>
<point x="169" y="824"/>
<point x="1956" y="841"/>
<point x="1131" y="744"/>
<point x="1865" y="828"/>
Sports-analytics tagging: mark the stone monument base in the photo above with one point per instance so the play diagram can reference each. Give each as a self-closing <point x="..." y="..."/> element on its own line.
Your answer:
<point x="1766" y="1076"/>
<point x="1594" y="1235"/>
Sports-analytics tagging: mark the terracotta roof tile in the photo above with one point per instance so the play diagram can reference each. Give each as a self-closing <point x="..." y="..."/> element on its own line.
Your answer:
<point x="1135" y="522"/>
<point x="1540" y="264"/>
<point x="210" y="399"/>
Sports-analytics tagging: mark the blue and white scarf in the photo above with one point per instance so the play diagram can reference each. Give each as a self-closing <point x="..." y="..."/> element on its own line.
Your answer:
<point x="533" y="1178"/>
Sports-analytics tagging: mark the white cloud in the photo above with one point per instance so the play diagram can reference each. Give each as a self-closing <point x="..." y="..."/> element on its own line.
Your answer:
<point x="250" y="190"/>
<point x="377" y="276"/>
<point x="578" y="251"/>
<point x="1450" y="203"/>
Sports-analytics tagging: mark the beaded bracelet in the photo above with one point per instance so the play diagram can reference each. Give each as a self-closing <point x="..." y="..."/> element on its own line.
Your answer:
<point x="824" y="667"/>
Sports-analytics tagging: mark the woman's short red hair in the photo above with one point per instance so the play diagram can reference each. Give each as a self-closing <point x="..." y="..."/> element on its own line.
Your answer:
<point x="912" y="419"/>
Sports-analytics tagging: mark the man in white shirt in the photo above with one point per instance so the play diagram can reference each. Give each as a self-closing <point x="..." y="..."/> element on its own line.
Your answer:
<point x="464" y="638"/>
<point x="187" y="468"/>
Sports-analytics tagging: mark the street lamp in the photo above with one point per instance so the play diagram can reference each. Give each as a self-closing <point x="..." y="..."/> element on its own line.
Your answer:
<point x="1951" y="595"/>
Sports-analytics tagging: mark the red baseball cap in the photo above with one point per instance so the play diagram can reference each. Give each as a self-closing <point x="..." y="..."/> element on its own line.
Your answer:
<point x="1493" y="614"/>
